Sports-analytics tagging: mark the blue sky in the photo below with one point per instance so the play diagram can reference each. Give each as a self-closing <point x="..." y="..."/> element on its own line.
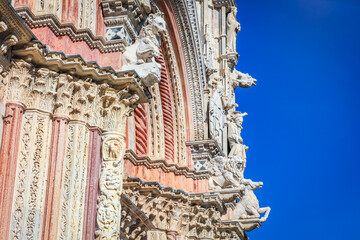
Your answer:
<point x="303" y="126"/>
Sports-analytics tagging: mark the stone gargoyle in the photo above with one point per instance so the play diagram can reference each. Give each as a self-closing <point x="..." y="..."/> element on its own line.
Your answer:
<point x="140" y="56"/>
<point x="248" y="205"/>
<point x="243" y="80"/>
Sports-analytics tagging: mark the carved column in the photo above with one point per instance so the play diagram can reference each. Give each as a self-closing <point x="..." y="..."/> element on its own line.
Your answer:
<point x="117" y="106"/>
<point x="75" y="168"/>
<point x="33" y="160"/>
<point x="8" y="158"/>
<point x="58" y="141"/>
<point x="59" y="129"/>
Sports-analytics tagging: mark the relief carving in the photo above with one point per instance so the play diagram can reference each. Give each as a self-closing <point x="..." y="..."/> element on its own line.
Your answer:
<point x="18" y="81"/>
<point x="112" y="149"/>
<point x="43" y="90"/>
<point x="110" y="186"/>
<point x="226" y="172"/>
<point x="63" y="95"/>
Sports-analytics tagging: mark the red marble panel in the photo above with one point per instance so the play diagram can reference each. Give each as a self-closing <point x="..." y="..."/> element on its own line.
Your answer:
<point x="176" y="42"/>
<point x="167" y="104"/>
<point x="67" y="46"/>
<point x="141" y="130"/>
<point x="70" y="10"/>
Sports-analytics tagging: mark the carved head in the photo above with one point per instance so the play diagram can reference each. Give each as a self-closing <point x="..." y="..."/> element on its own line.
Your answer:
<point x="157" y="22"/>
<point x="234" y="10"/>
<point x="236" y="165"/>
<point x="238" y="118"/>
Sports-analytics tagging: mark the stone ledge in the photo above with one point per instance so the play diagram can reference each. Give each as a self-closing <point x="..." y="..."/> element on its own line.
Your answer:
<point x="36" y="53"/>
<point x="166" y="167"/>
<point x="69" y="29"/>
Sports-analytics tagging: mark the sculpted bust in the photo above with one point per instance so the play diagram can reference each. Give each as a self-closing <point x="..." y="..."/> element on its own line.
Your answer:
<point x="237" y="148"/>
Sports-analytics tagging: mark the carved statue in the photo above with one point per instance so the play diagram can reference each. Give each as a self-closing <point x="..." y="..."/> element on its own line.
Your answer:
<point x="216" y="115"/>
<point x="233" y="27"/>
<point x="226" y="172"/>
<point x="237" y="148"/>
<point x="248" y="206"/>
<point x="244" y="80"/>
<point x="140" y="55"/>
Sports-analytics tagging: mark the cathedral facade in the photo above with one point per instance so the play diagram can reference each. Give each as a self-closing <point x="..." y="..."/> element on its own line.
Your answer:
<point x="118" y="121"/>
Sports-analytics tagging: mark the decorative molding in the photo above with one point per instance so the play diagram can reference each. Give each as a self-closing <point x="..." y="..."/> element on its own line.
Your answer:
<point x="134" y="223"/>
<point x="203" y="151"/>
<point x="164" y="165"/>
<point x="179" y="110"/>
<point x="35" y="52"/>
<point x="30" y="184"/>
<point x="71" y="214"/>
<point x="186" y="215"/>
<point x="69" y="29"/>
<point x="169" y="117"/>
<point x="224" y="3"/>
<point x="186" y="18"/>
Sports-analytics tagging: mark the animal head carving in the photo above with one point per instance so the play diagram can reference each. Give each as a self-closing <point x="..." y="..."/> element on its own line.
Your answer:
<point x="157" y="22"/>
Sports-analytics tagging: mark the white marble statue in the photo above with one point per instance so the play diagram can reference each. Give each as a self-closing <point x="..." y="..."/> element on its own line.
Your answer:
<point x="140" y="56"/>
<point x="237" y="148"/>
<point x="233" y="27"/>
<point x="216" y="115"/>
<point x="248" y="205"/>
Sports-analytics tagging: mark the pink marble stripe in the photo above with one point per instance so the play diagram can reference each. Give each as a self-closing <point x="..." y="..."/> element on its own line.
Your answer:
<point x="92" y="182"/>
<point x="8" y="158"/>
<point x="54" y="178"/>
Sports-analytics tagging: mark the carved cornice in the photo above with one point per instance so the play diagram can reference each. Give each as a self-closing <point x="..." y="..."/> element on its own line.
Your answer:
<point x="14" y="23"/>
<point x="35" y="53"/>
<point x="205" y="149"/>
<point x="128" y="205"/>
<point x="69" y="29"/>
<point x="202" y="199"/>
<point x="134" y="10"/>
<point x="224" y="3"/>
<point x="166" y="167"/>
<point x="12" y="32"/>
<point x="231" y="230"/>
<point x="190" y="215"/>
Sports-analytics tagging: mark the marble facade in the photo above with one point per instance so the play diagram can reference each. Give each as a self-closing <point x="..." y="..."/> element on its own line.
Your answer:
<point x="119" y="121"/>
